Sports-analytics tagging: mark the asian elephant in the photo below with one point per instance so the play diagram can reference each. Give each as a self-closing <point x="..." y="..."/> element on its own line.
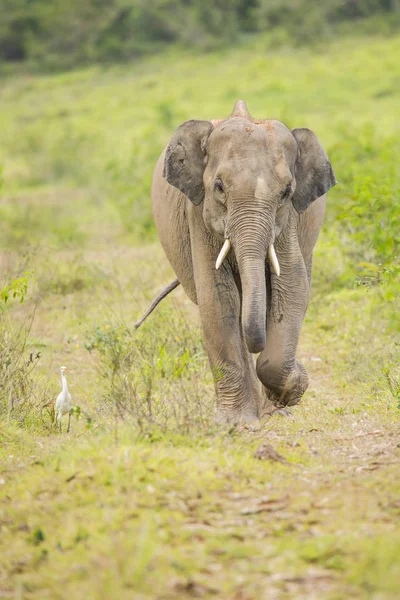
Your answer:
<point x="238" y="204"/>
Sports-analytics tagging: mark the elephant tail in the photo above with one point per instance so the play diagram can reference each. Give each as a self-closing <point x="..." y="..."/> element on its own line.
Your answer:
<point x="167" y="290"/>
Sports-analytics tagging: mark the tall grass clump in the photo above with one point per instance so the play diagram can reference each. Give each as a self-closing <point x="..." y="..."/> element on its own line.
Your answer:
<point x="23" y="397"/>
<point x="392" y="380"/>
<point x="155" y="376"/>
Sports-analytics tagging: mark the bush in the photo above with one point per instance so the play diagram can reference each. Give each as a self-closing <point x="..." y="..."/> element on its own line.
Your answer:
<point x="153" y="375"/>
<point x="22" y="396"/>
<point x="18" y="288"/>
<point x="307" y="21"/>
<point x="368" y="209"/>
<point x="58" y="34"/>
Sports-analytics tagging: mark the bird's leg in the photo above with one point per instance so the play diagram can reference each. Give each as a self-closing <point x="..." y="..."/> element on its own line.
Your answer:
<point x="69" y="422"/>
<point x="60" y="425"/>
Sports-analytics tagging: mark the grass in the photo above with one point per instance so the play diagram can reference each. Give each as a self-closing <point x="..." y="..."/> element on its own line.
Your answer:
<point x="168" y="515"/>
<point x="146" y="497"/>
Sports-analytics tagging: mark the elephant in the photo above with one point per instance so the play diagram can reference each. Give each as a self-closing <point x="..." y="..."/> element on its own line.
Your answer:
<point x="238" y="204"/>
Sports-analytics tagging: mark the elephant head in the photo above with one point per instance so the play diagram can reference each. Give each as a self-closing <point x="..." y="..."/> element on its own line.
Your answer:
<point x="248" y="175"/>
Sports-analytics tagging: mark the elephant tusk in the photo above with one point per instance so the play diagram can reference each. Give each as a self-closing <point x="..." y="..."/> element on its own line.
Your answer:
<point x="274" y="260"/>
<point x="222" y="255"/>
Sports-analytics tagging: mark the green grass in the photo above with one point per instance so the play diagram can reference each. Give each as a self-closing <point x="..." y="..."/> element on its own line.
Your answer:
<point x="146" y="497"/>
<point x="156" y="515"/>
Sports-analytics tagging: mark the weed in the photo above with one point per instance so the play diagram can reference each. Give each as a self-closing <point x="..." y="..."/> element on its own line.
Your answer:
<point x="18" y="288"/>
<point x="391" y="375"/>
<point x="22" y="396"/>
<point x="37" y="537"/>
<point x="152" y="375"/>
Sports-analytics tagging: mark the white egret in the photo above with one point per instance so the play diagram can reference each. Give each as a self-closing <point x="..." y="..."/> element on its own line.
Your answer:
<point x="63" y="402"/>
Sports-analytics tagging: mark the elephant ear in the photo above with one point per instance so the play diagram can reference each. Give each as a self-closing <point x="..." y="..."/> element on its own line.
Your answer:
<point x="314" y="173"/>
<point x="184" y="159"/>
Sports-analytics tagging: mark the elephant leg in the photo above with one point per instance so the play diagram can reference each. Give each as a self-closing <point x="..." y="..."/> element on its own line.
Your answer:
<point x="236" y="383"/>
<point x="283" y="377"/>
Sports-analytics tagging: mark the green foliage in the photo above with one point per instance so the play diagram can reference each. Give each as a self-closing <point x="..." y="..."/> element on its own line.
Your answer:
<point x="147" y="374"/>
<point x="110" y="343"/>
<point x="37" y="537"/>
<point x="55" y="34"/>
<point x="368" y="216"/>
<point x="391" y="375"/>
<point x="305" y="21"/>
<point x="18" y="288"/>
<point x="22" y="395"/>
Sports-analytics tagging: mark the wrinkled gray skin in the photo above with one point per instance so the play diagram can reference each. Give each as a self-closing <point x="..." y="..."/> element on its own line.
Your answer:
<point x="256" y="183"/>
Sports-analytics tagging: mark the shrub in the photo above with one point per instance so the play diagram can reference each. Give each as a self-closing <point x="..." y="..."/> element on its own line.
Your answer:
<point x="366" y="204"/>
<point x="57" y="34"/>
<point x="18" y="288"/>
<point x="23" y="398"/>
<point x="153" y="375"/>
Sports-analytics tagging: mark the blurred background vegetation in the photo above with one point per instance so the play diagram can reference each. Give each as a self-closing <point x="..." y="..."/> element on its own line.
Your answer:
<point x="54" y="34"/>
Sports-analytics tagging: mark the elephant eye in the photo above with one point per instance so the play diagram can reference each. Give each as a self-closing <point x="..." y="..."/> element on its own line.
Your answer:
<point x="218" y="186"/>
<point x="287" y="191"/>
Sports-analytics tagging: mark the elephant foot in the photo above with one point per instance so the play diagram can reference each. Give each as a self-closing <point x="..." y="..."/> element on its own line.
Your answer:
<point x="232" y="416"/>
<point x="282" y="412"/>
<point x="279" y="412"/>
<point x="271" y="406"/>
<point x="280" y="392"/>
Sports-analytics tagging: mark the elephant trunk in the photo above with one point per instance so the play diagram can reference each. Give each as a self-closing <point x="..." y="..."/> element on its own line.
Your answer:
<point x="252" y="275"/>
<point x="252" y="237"/>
